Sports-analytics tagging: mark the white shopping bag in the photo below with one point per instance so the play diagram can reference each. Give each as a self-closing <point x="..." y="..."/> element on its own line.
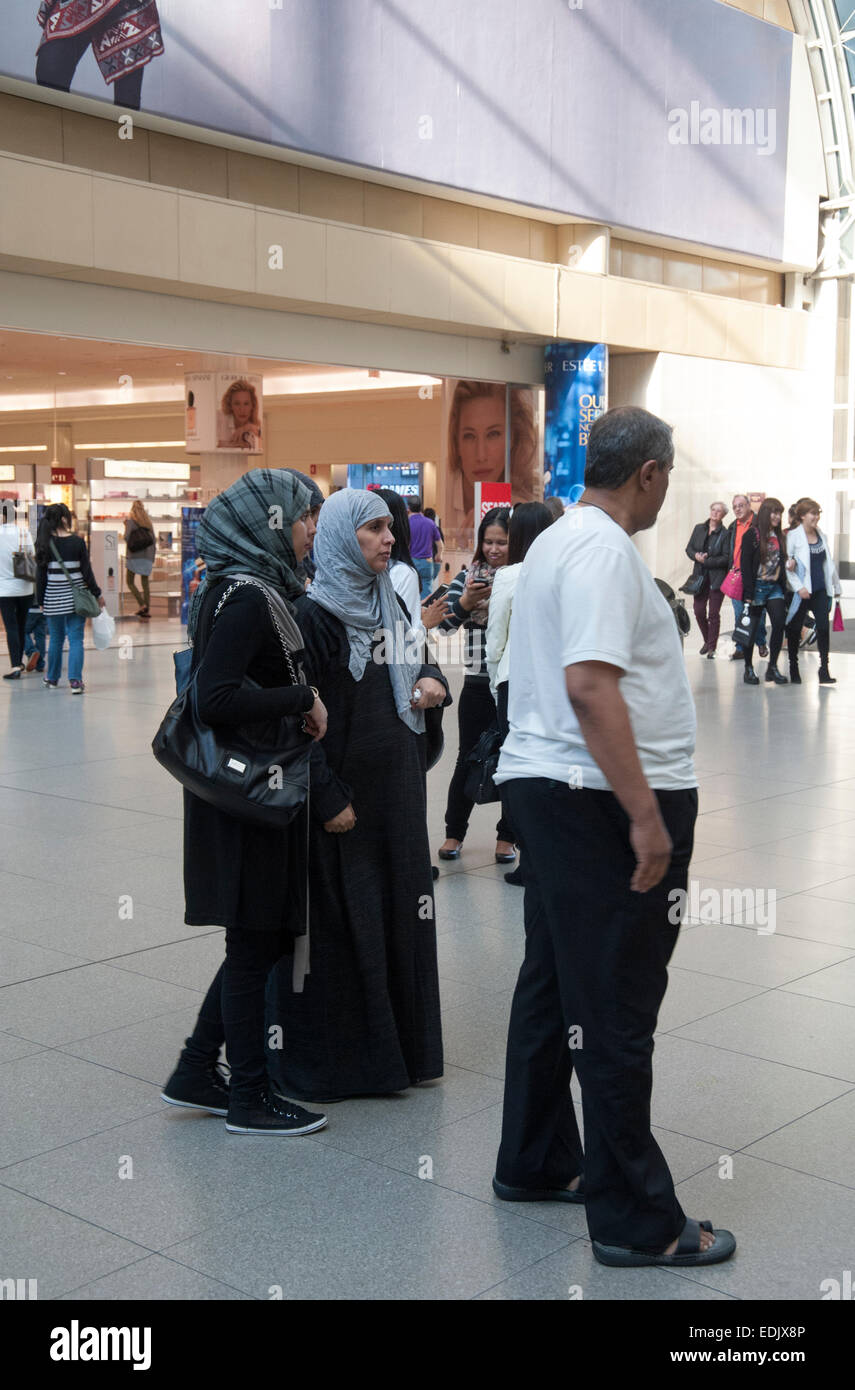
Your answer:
<point x="103" y="630"/>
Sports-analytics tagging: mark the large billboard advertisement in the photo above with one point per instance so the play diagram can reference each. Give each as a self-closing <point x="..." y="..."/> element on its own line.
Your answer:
<point x="575" y="375"/>
<point x="669" y="116"/>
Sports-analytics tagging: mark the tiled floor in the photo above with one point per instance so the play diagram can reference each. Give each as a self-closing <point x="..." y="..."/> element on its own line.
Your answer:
<point x="107" y="1194"/>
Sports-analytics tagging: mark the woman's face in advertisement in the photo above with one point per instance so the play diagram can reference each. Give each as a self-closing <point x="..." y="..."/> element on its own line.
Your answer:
<point x="481" y="440"/>
<point x="241" y="407"/>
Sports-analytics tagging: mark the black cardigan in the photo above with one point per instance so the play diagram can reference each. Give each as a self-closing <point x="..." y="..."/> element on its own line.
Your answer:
<point x="239" y="875"/>
<point x="749" y="563"/>
<point x="716" y="565"/>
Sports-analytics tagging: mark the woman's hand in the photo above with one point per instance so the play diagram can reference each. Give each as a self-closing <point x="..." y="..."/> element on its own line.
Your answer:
<point x="102" y="602"/>
<point x="430" y="693"/>
<point x="804" y="593"/>
<point x="791" y="564"/>
<point x="340" y="824"/>
<point x="473" y="594"/>
<point x="315" y="720"/>
<point x="700" y="556"/>
<point x="434" y="613"/>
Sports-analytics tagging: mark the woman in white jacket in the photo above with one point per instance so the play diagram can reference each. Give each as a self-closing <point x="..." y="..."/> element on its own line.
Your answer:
<point x="813" y="580"/>
<point x="528" y="519"/>
<point x="16" y="595"/>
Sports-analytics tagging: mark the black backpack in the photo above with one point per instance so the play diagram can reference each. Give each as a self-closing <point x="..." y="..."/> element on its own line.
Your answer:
<point x="140" y="539"/>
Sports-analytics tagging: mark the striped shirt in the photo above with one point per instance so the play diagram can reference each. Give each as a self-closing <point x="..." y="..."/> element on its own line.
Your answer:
<point x="54" y="590"/>
<point x="474" y="626"/>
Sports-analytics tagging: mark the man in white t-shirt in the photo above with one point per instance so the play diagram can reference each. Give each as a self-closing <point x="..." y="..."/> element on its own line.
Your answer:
<point x="598" y="770"/>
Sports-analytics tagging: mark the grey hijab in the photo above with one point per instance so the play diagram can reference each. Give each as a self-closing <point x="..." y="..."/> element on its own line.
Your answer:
<point x="362" y="600"/>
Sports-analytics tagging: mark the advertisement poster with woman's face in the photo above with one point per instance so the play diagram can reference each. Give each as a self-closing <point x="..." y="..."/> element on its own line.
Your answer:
<point x="239" y="413"/>
<point x="475" y="433"/>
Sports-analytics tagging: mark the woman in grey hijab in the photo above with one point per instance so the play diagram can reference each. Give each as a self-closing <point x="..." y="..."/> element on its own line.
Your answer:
<point x="365" y="1019"/>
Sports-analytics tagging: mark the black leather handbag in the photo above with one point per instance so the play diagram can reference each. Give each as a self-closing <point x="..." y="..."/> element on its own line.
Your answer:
<point x="481" y="764"/>
<point x="258" y="774"/>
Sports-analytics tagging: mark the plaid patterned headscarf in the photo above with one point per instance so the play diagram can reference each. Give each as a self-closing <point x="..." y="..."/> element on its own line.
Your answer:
<point x="247" y="530"/>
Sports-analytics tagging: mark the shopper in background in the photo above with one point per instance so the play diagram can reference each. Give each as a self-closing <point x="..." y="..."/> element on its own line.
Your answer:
<point x="556" y="506"/>
<point x="16" y="595"/>
<point x="814" y="581"/>
<point x="763" y="567"/>
<point x="63" y="565"/>
<point x="249" y="879"/>
<point x="305" y="569"/>
<point x="425" y="542"/>
<point x="468" y="601"/>
<point x="402" y="570"/>
<point x="598" y="686"/>
<point x="366" y="1018"/>
<point x="431" y="516"/>
<point x="743" y="518"/>
<point x="35" y="640"/>
<point x="709" y="548"/>
<point x="140" y="551"/>
<point x="528" y="519"/>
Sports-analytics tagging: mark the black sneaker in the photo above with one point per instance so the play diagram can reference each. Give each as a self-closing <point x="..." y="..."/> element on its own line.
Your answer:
<point x="198" y="1089"/>
<point x="270" y="1114"/>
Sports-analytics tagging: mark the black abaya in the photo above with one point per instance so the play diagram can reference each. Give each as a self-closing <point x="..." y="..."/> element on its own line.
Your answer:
<point x="367" y="1021"/>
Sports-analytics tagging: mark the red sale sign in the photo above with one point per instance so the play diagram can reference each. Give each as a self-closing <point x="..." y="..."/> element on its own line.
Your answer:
<point x="488" y="496"/>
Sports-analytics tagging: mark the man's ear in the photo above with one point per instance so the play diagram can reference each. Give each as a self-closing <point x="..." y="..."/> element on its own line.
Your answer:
<point x="645" y="474"/>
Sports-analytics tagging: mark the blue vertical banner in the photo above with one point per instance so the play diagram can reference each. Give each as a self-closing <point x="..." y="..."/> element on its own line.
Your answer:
<point x="575" y="377"/>
<point x="190" y="570"/>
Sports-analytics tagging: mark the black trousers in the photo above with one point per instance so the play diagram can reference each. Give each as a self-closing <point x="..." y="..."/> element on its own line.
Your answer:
<point x="56" y="64"/>
<point x="588" y="997"/>
<point x="233" y="1011"/>
<point x="14" y="612"/>
<point x="502" y="714"/>
<point x="777" y="610"/>
<point x="476" y="712"/>
<point x="818" y="605"/>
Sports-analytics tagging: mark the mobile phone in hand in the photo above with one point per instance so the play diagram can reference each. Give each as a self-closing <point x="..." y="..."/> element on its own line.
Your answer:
<point x="437" y="594"/>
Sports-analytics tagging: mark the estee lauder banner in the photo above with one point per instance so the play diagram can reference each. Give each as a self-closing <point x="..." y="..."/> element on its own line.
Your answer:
<point x="575" y="376"/>
<point x="223" y="411"/>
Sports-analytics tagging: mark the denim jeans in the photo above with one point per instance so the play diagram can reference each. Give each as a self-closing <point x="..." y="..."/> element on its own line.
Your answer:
<point x="424" y="569"/>
<point x="58" y="626"/>
<point x="35" y="640"/>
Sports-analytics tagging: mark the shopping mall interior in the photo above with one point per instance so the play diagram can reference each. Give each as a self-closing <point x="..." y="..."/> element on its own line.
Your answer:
<point x="347" y="264"/>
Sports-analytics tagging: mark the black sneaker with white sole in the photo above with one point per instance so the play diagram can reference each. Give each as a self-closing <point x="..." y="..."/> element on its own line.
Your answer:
<point x="195" y="1088"/>
<point x="272" y="1114"/>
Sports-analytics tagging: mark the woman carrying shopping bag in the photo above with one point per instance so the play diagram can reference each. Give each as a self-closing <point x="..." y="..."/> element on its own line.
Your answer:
<point x="67" y="591"/>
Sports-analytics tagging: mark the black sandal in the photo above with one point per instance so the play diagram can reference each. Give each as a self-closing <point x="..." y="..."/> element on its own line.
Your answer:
<point x="688" y="1250"/>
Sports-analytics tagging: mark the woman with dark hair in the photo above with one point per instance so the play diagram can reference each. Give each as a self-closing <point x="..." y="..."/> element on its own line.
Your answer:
<point x="708" y="547"/>
<point x="63" y="562"/>
<point x="814" y="581"/>
<point x="527" y="521"/>
<point x="16" y="594"/>
<point x="247" y="878"/>
<point x="366" y="1019"/>
<point x="124" y="34"/>
<point x="305" y="568"/>
<point x="405" y="578"/>
<point x="468" y="600"/>
<point x="763" y="569"/>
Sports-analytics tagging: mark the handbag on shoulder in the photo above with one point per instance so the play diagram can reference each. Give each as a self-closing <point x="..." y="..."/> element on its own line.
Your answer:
<point x="139" y="539"/>
<point x="259" y="775"/>
<point x="731" y="585"/>
<point x="693" y="584"/>
<point x="24" y="561"/>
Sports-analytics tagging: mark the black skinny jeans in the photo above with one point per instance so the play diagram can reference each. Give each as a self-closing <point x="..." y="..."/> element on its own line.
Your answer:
<point x="476" y="712"/>
<point x="14" y="612"/>
<point x="777" y="610"/>
<point x="818" y="605"/>
<point x="56" y="64"/>
<point x="233" y="1011"/>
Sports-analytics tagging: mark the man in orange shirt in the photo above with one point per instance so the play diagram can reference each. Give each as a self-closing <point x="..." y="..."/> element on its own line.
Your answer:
<point x="743" y="518"/>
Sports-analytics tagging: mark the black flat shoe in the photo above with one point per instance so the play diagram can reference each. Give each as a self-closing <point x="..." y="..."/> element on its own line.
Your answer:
<point x="772" y="674"/>
<point x="434" y="872"/>
<point x="749" y="677"/>
<point x="506" y="858"/>
<point x="515" y="878"/>
<point x="826" y="678"/>
<point x="795" y="678"/>
<point x="449" y="853"/>
<point x="539" y="1194"/>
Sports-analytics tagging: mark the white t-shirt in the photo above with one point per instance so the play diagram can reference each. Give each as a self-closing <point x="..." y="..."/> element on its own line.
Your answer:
<point x="585" y="594"/>
<point x="405" y="582"/>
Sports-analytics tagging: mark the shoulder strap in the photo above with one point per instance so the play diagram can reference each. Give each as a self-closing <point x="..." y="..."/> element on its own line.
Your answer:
<point x="58" y="557"/>
<point x="247" y="583"/>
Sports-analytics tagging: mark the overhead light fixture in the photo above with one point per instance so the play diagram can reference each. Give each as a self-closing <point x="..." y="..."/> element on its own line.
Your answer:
<point x="135" y="444"/>
<point x="23" y="448"/>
